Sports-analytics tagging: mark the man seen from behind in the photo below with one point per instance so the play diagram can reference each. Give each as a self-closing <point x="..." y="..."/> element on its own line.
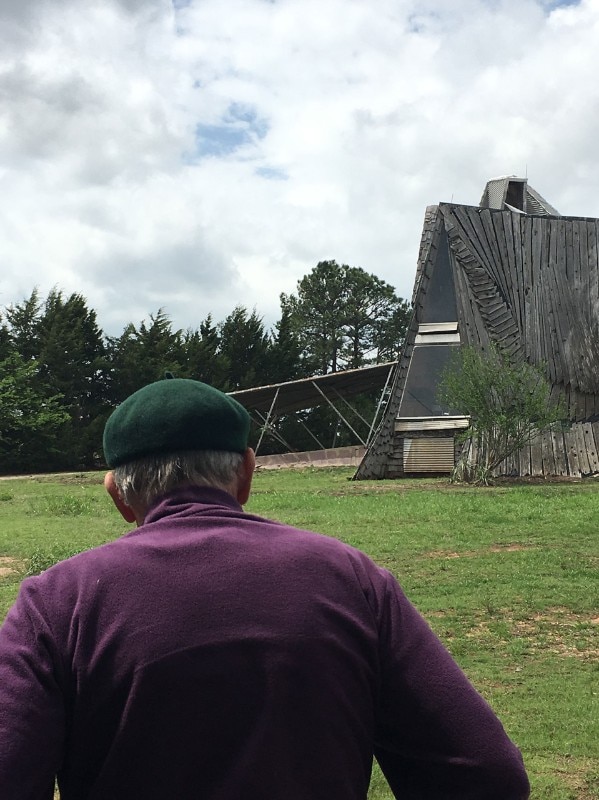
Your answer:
<point x="209" y="653"/>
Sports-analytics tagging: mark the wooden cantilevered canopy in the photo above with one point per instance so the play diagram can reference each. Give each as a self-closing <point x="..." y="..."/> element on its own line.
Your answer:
<point x="267" y="403"/>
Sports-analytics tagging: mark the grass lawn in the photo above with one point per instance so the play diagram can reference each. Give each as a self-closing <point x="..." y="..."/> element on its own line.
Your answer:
<point x="507" y="577"/>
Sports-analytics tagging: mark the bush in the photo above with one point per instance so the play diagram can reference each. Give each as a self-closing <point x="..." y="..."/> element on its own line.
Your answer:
<point x="508" y="404"/>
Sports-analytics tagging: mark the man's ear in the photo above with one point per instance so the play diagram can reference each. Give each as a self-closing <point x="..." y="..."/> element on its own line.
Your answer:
<point x="126" y="511"/>
<point x="246" y="473"/>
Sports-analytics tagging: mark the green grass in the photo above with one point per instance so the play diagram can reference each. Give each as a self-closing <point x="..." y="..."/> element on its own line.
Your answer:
<point x="507" y="576"/>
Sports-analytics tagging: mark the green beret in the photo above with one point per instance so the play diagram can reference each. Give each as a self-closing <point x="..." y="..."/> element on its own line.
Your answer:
<point x="174" y="415"/>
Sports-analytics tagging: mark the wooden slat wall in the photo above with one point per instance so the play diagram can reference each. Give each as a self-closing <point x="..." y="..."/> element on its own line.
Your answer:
<point x="484" y="306"/>
<point x="533" y="282"/>
<point x="531" y="285"/>
<point x="571" y="452"/>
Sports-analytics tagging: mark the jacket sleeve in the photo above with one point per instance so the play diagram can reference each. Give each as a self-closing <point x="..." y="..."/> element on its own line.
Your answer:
<point x="436" y="736"/>
<point x="32" y="715"/>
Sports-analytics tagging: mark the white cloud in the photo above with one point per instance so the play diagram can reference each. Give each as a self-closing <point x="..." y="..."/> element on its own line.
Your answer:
<point x="193" y="156"/>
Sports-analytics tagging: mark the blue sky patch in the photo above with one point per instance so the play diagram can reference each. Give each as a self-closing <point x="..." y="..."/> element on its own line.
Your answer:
<point x="240" y="126"/>
<point x="248" y="116"/>
<point x="272" y="174"/>
<point x="551" y="4"/>
<point x="219" y="140"/>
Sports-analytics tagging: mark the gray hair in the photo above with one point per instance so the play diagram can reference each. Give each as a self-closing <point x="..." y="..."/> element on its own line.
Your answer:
<point x="143" y="481"/>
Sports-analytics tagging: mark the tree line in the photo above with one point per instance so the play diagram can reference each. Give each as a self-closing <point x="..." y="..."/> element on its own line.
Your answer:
<point x="61" y="376"/>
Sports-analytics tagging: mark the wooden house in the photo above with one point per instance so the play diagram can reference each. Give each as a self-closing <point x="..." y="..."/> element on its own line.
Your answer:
<point x="513" y="272"/>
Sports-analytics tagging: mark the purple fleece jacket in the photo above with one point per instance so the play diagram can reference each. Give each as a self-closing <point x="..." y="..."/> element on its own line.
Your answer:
<point x="213" y="654"/>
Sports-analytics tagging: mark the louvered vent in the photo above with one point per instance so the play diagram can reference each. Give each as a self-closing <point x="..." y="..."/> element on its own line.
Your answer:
<point x="535" y="204"/>
<point x="428" y="455"/>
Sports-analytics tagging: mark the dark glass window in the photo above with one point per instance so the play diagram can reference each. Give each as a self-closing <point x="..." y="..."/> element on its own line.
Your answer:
<point x="515" y="195"/>
<point x="419" y="397"/>
<point x="439" y="303"/>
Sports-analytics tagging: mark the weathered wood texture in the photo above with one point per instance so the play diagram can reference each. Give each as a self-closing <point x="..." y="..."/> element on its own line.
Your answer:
<point x="534" y="284"/>
<point x="530" y="285"/>
<point x="572" y="451"/>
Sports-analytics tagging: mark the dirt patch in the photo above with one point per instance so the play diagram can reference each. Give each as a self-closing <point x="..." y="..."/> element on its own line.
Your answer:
<point x="577" y="774"/>
<point x="9" y="566"/>
<point x="445" y="554"/>
<point x="556" y="630"/>
<point x="508" y="548"/>
<point x="443" y="484"/>
<point x="398" y="486"/>
<point x="494" y="548"/>
<point x="539" y="480"/>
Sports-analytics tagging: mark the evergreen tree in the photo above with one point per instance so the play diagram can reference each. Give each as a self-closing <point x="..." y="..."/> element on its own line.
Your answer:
<point x="317" y="314"/>
<point x="72" y="364"/>
<point x="344" y="318"/>
<point x="142" y="355"/>
<point x="244" y="349"/>
<point x="375" y="319"/>
<point x="285" y="355"/>
<point x="6" y="345"/>
<point x="340" y="317"/>
<point x="30" y="418"/>
<point x="72" y="353"/>
<point x="391" y="332"/>
<point x="202" y="358"/>
<point x="23" y="321"/>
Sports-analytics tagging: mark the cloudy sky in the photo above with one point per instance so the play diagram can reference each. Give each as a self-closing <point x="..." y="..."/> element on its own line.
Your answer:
<point x="198" y="154"/>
